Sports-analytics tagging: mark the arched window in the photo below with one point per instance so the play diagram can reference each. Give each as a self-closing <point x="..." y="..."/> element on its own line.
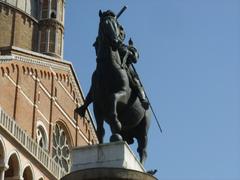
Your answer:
<point x="52" y="40"/>
<point x="43" y="41"/>
<point x="44" y="8"/>
<point x="42" y="138"/>
<point x="28" y="6"/>
<point x="12" y="2"/>
<point x="2" y="154"/>
<point x="59" y="41"/>
<point x="54" y="9"/>
<point x="61" y="148"/>
<point x="14" y="167"/>
<point x="27" y="173"/>
<point x="60" y="11"/>
<point x="21" y="5"/>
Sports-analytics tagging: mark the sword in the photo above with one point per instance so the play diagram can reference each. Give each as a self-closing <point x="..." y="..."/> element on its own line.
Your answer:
<point x="121" y="11"/>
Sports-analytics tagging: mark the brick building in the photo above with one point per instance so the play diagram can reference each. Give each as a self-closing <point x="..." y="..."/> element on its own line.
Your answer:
<point x="38" y="92"/>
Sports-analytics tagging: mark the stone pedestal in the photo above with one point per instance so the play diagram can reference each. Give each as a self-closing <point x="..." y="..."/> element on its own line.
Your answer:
<point x="111" y="161"/>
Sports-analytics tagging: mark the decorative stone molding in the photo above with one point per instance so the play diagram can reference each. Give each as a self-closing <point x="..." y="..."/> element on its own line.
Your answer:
<point x="51" y="22"/>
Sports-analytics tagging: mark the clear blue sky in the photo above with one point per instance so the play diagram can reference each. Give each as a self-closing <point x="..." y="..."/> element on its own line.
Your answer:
<point x="189" y="64"/>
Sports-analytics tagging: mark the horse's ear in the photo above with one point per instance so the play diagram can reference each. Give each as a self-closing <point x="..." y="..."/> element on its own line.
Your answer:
<point x="100" y="13"/>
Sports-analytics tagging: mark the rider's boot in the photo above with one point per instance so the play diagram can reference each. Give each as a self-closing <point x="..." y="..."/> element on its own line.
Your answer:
<point x="143" y="98"/>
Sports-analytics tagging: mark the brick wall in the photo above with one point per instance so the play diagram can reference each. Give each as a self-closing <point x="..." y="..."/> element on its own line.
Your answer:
<point x="17" y="29"/>
<point x="6" y="23"/>
<point x="31" y="93"/>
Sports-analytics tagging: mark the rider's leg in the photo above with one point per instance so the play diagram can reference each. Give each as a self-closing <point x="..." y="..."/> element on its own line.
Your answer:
<point x="141" y="94"/>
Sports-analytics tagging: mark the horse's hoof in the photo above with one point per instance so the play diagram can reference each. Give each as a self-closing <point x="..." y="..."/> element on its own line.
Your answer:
<point x="130" y="141"/>
<point x="116" y="126"/>
<point x="115" y="138"/>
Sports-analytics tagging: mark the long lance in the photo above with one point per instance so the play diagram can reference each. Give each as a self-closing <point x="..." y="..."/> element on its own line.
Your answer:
<point x="158" y="123"/>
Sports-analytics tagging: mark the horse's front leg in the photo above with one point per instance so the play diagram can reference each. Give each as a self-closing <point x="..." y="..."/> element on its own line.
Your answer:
<point x="142" y="148"/>
<point x="115" y="124"/>
<point x="89" y="99"/>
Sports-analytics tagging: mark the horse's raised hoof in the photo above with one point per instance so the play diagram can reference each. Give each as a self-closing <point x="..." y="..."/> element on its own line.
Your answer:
<point x="115" y="138"/>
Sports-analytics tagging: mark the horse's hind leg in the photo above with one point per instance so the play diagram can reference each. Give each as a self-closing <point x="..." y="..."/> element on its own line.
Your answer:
<point x="142" y="147"/>
<point x="142" y="137"/>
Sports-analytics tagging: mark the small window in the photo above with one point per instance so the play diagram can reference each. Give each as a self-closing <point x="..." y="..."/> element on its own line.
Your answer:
<point x="42" y="137"/>
<point x="43" y="40"/>
<point x="45" y="9"/>
<point x="52" y="40"/>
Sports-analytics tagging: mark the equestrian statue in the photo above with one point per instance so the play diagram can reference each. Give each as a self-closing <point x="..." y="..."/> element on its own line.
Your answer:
<point x="116" y="92"/>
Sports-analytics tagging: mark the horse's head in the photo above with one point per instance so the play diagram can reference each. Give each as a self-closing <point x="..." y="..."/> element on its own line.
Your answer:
<point x="106" y="13"/>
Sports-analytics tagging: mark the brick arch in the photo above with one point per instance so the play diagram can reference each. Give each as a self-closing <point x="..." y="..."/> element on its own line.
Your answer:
<point x="66" y="129"/>
<point x="36" y="73"/>
<point x="28" y="173"/>
<point x="17" y="67"/>
<point x="14" y="165"/>
<point x="41" y="74"/>
<point x="31" y="71"/>
<point x="64" y="78"/>
<point x="45" y="74"/>
<point x="43" y="130"/>
<point x="48" y="75"/>
<point x="68" y="80"/>
<point x="2" y="71"/>
<point x="57" y="76"/>
<point x="13" y="68"/>
<point x="51" y="74"/>
<point x="28" y="70"/>
<point x="2" y="152"/>
<point x="60" y="77"/>
<point x="7" y="70"/>
<point x="24" y="69"/>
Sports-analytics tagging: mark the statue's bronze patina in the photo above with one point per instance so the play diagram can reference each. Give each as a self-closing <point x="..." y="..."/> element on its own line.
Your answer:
<point x="116" y="92"/>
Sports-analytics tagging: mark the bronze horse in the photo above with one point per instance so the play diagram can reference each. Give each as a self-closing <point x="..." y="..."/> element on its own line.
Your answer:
<point x="113" y="98"/>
